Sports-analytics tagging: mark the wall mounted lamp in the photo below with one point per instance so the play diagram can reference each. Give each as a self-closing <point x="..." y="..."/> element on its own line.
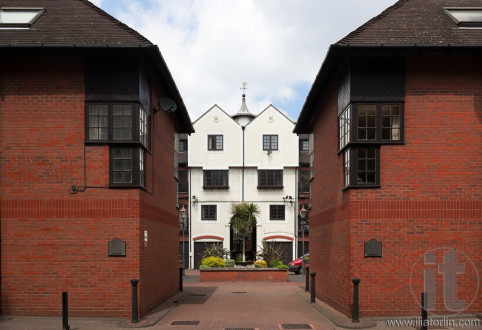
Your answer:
<point x="288" y="200"/>
<point x="303" y="212"/>
<point x="183" y="216"/>
<point x="194" y="200"/>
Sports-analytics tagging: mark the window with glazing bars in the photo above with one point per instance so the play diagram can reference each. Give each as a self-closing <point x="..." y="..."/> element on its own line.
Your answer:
<point x="270" y="142"/>
<point x="208" y="212"/>
<point x="270" y="178"/>
<point x="277" y="212"/>
<point x="215" y="178"/>
<point x="215" y="142"/>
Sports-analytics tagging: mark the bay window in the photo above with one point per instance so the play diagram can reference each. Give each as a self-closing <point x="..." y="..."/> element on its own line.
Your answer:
<point x="125" y="128"/>
<point x="127" y="166"/>
<point x="115" y="123"/>
<point x="362" y="166"/>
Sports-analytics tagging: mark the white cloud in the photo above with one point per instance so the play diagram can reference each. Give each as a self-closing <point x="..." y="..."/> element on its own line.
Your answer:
<point x="212" y="46"/>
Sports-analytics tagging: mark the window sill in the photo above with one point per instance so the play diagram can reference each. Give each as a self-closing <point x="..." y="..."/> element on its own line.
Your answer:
<point x="125" y="186"/>
<point x="270" y="187"/>
<point x="116" y="142"/>
<point x="371" y="186"/>
<point x="215" y="187"/>
<point x="370" y="143"/>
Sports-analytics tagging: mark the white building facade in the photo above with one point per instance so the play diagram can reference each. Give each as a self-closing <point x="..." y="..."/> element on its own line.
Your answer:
<point x="242" y="158"/>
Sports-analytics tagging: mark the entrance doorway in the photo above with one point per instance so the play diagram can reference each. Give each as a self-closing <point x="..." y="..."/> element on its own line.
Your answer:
<point x="236" y="245"/>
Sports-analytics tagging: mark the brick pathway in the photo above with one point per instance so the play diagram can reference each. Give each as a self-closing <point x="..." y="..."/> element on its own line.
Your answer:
<point x="244" y="306"/>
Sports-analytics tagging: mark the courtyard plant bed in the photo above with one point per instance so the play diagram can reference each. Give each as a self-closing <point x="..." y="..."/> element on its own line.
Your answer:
<point x="243" y="274"/>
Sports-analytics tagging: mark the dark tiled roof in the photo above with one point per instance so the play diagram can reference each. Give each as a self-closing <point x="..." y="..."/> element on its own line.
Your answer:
<point x="74" y="24"/>
<point x="70" y="22"/>
<point x="416" y="22"/>
<point x="407" y="25"/>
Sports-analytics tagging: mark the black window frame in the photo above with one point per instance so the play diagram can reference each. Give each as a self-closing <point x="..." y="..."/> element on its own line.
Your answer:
<point x="304" y="186"/>
<point x="378" y="139"/>
<point x="182" y="184"/>
<point x="182" y="145"/>
<point x="352" y="168"/>
<point x="270" y="179"/>
<point x="213" y="145"/>
<point x="268" y="142"/>
<point x="209" y="212"/>
<point x="344" y="127"/>
<point x="138" y="141"/>
<point x="304" y="145"/>
<point x="137" y="167"/>
<point x="277" y="212"/>
<point x="140" y="134"/>
<point x="208" y="179"/>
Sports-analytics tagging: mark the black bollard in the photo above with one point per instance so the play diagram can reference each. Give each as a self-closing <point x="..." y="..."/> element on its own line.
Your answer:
<point x="135" y="312"/>
<point x="307" y="278"/>
<point x="181" y="271"/>
<point x="424" y="311"/>
<point x="356" y="308"/>
<point x="312" y="300"/>
<point x="65" y="311"/>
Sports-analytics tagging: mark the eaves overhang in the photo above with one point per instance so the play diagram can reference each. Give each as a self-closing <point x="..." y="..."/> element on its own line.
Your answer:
<point x="184" y="124"/>
<point x="336" y="54"/>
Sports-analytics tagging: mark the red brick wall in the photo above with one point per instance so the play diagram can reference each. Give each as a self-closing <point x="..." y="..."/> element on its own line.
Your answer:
<point x="430" y="195"/>
<point x="260" y="275"/>
<point x="329" y="216"/>
<point x="54" y="241"/>
<point x="431" y="189"/>
<point x="159" y="217"/>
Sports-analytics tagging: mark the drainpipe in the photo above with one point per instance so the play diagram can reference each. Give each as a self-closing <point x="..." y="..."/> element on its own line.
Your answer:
<point x="242" y="173"/>
<point x="296" y="213"/>
<point x="189" y="218"/>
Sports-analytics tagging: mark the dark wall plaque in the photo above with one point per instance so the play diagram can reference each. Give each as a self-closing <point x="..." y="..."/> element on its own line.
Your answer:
<point x="117" y="248"/>
<point x="373" y="249"/>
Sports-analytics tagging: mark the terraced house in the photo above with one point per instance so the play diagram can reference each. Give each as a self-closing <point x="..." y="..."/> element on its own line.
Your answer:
<point x="242" y="158"/>
<point x="394" y="118"/>
<point x="89" y="116"/>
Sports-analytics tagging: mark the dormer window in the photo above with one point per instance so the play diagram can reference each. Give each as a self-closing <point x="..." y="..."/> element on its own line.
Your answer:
<point x="19" y="17"/>
<point x="466" y="17"/>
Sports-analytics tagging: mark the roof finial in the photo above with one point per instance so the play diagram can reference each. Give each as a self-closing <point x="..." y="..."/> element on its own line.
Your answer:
<point x="244" y="88"/>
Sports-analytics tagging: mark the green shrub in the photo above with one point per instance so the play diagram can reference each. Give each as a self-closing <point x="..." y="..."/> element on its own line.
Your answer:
<point x="203" y="266"/>
<point x="274" y="263"/>
<point x="282" y="266"/>
<point x="260" y="264"/>
<point x="213" y="262"/>
<point x="215" y="250"/>
<point x="307" y="259"/>
<point x="270" y="251"/>
<point x="229" y="263"/>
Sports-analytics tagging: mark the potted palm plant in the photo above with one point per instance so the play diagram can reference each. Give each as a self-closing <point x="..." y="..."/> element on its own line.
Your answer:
<point x="243" y="220"/>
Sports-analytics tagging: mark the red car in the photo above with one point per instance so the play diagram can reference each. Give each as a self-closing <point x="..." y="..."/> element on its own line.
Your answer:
<point x="295" y="265"/>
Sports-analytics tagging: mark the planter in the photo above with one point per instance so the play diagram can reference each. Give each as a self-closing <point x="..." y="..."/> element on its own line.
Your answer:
<point x="243" y="275"/>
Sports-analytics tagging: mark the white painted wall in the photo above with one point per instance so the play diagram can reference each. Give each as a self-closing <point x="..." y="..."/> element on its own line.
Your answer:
<point x="217" y="121"/>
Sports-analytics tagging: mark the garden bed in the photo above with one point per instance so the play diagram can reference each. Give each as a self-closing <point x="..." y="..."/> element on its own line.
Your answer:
<point x="243" y="275"/>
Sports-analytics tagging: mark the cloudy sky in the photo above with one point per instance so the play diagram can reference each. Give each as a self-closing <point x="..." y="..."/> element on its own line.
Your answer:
<point x="212" y="46"/>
